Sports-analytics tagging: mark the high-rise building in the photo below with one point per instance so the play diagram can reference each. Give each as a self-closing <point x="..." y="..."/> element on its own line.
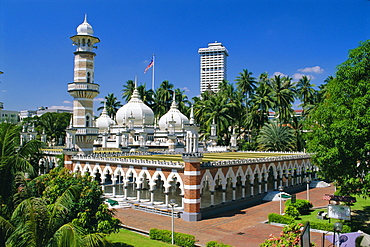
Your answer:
<point x="213" y="66"/>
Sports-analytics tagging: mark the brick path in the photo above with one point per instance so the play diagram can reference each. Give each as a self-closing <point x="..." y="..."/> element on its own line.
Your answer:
<point x="238" y="228"/>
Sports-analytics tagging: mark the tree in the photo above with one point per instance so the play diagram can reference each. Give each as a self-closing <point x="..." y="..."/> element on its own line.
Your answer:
<point x="14" y="158"/>
<point x="37" y="223"/>
<point x="163" y="98"/>
<point x="283" y="91"/>
<point x="306" y="93"/>
<point x="127" y="90"/>
<point x="111" y="104"/>
<point x="246" y="84"/>
<point x="340" y="136"/>
<point x="275" y="137"/>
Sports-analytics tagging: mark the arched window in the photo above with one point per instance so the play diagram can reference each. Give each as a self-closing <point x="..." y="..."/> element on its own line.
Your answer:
<point x="88" y="79"/>
<point x="83" y="42"/>
<point x="87" y="121"/>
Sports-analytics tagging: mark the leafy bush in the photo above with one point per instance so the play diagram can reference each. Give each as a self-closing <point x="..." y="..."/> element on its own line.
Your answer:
<point x="292" y="212"/>
<point x="303" y="206"/>
<point x="288" y="237"/>
<point x="280" y="218"/>
<point x="217" y="244"/>
<point x="328" y="226"/>
<point x="180" y="239"/>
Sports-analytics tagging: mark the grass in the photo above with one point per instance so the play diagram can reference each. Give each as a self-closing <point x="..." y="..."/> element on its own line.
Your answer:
<point x="360" y="218"/>
<point x="207" y="156"/>
<point x="126" y="238"/>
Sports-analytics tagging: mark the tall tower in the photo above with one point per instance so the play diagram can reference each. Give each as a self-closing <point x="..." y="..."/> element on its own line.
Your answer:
<point x="213" y="66"/>
<point x="83" y="89"/>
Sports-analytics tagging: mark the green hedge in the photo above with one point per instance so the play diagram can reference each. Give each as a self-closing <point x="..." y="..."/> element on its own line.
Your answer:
<point x="327" y="226"/>
<point x="180" y="239"/>
<point x="280" y="218"/>
<point x="217" y="244"/>
<point x="303" y="206"/>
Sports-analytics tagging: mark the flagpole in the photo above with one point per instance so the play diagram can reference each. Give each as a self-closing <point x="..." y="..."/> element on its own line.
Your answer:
<point x="153" y="73"/>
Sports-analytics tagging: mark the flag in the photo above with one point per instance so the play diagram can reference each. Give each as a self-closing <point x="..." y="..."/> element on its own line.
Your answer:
<point x="149" y="65"/>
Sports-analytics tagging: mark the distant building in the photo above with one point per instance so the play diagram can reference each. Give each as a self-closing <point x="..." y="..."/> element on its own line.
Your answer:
<point x="8" y="116"/>
<point x="213" y="66"/>
<point x="41" y="111"/>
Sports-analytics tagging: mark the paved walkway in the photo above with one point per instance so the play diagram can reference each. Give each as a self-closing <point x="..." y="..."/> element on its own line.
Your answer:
<point x="238" y="228"/>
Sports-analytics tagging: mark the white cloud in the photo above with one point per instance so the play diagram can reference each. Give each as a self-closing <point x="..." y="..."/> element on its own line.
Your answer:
<point x="99" y="99"/>
<point x="67" y="102"/>
<point x="297" y="76"/>
<point x="185" y="89"/>
<point x="4" y="91"/>
<point x="315" y="69"/>
<point x="60" y="107"/>
<point x="279" y="73"/>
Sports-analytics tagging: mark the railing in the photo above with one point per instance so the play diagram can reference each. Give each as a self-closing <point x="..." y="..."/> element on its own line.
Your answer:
<point x="254" y="160"/>
<point x="128" y="161"/>
<point x="82" y="86"/>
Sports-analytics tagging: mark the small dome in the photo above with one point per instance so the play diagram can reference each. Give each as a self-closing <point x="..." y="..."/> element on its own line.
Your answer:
<point x="104" y="121"/>
<point x="85" y="28"/>
<point x="173" y="115"/>
<point x="136" y="109"/>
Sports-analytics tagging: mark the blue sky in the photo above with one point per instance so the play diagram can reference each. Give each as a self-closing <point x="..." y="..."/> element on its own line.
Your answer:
<point x="291" y="37"/>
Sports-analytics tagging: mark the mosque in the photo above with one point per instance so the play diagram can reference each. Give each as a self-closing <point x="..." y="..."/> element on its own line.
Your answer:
<point x="134" y="127"/>
<point x="203" y="180"/>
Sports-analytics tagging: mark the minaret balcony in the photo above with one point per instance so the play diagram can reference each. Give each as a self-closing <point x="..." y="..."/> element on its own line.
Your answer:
<point x="87" y="131"/>
<point x="83" y="90"/>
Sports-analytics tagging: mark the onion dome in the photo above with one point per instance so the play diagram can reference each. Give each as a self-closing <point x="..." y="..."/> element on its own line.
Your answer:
<point x="85" y="28"/>
<point x="136" y="110"/>
<point x="104" y="121"/>
<point x="173" y="115"/>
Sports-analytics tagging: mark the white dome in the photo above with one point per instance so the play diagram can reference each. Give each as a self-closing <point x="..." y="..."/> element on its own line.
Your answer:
<point x="173" y="115"/>
<point x="137" y="109"/>
<point x="104" y="121"/>
<point x="85" y="28"/>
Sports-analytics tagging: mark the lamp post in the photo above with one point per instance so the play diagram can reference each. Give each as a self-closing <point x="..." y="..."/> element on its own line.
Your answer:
<point x="338" y="227"/>
<point x="281" y="188"/>
<point x="172" y="204"/>
<point x="308" y="181"/>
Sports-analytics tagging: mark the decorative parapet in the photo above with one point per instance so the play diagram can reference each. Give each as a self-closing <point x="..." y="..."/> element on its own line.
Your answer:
<point x="254" y="160"/>
<point x="128" y="161"/>
<point x="192" y="157"/>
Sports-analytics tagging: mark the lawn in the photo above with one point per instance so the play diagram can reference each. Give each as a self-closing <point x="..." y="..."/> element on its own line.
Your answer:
<point x="207" y="156"/>
<point x="360" y="217"/>
<point x="126" y="238"/>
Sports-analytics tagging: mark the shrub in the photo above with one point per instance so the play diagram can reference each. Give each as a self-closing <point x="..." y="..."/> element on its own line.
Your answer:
<point x="180" y="239"/>
<point x="280" y="218"/>
<point x="303" y="206"/>
<point x="217" y="244"/>
<point x="288" y="237"/>
<point x="327" y="226"/>
<point x="292" y="212"/>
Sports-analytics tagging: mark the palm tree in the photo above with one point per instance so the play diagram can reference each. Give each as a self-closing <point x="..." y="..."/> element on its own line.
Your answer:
<point x="147" y="96"/>
<point x="54" y="124"/>
<point x="111" y="104"/>
<point x="261" y="103"/>
<point x="37" y="223"/>
<point x="283" y="91"/>
<point x="275" y="137"/>
<point x="163" y="98"/>
<point x="14" y="158"/>
<point x="183" y="104"/>
<point x="127" y="90"/>
<point x="246" y="84"/>
<point x="306" y="93"/>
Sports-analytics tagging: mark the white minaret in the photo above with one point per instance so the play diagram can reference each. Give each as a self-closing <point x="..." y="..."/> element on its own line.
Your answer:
<point x="213" y="66"/>
<point x="83" y="89"/>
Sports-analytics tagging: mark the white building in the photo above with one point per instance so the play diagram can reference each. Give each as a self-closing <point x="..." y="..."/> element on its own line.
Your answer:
<point x="8" y="116"/>
<point x="213" y="66"/>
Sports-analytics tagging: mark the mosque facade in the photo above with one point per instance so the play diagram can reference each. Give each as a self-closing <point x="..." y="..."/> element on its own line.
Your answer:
<point x="199" y="186"/>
